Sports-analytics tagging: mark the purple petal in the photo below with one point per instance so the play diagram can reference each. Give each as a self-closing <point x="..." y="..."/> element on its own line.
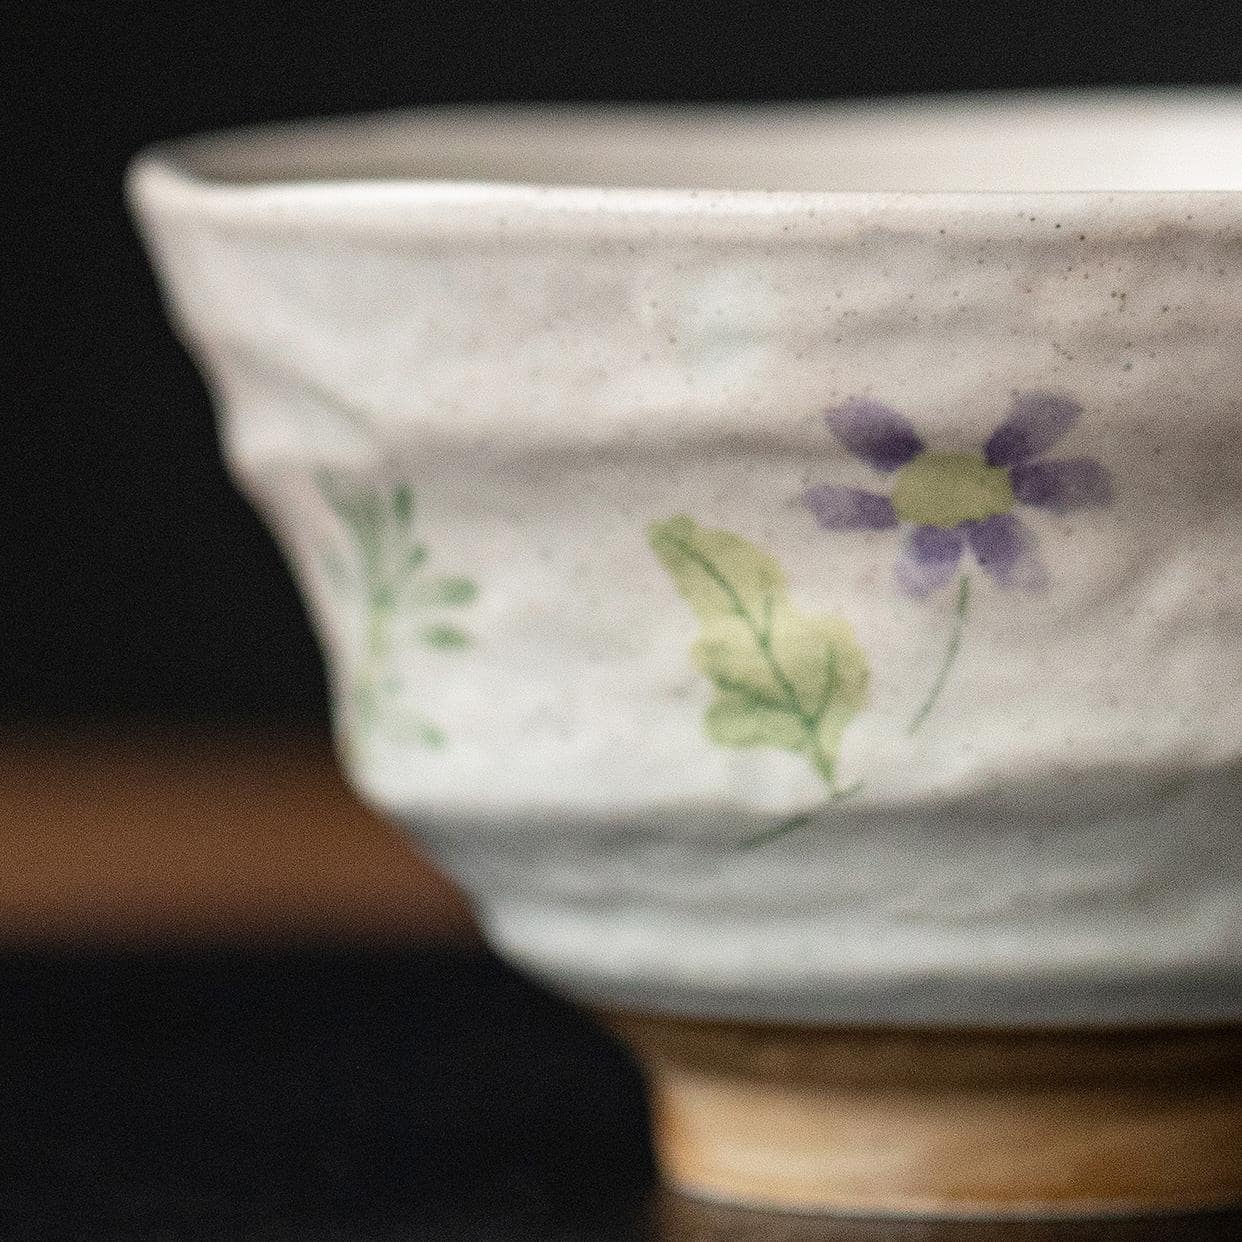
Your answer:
<point x="1007" y="551"/>
<point x="928" y="559"/>
<point x="1078" y="483"/>
<point x="850" y="508"/>
<point x="1037" y="420"/>
<point x="875" y="432"/>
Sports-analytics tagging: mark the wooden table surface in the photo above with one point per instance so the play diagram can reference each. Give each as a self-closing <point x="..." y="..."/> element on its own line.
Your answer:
<point x="126" y="837"/>
<point x="131" y="846"/>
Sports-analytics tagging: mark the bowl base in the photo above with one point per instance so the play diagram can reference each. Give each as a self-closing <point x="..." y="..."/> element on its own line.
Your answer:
<point x="945" y="1123"/>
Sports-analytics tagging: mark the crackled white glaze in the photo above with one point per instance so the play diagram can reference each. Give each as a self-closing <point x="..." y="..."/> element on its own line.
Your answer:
<point x="550" y="371"/>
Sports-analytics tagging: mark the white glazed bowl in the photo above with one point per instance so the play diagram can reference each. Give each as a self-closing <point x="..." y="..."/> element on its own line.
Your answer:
<point x="810" y="595"/>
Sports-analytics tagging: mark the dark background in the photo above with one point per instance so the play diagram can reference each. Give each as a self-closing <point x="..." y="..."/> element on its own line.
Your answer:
<point x="138" y="584"/>
<point x="317" y="1091"/>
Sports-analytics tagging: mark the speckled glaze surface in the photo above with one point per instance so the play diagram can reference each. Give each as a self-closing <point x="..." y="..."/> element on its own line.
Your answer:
<point x="809" y="596"/>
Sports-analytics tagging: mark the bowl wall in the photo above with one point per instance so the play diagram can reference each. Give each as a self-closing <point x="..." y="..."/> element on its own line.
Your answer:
<point x="810" y="606"/>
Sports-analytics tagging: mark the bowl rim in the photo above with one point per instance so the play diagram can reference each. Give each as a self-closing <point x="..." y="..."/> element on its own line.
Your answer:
<point x="165" y="179"/>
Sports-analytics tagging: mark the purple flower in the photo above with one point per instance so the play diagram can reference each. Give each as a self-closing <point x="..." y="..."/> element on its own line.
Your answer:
<point x="951" y="503"/>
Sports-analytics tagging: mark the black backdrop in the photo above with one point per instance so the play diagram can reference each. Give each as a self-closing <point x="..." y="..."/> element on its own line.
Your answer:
<point x="218" y="1095"/>
<point x="140" y="585"/>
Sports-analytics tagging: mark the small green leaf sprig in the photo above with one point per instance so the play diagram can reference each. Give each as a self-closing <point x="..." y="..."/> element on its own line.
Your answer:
<point x="385" y="572"/>
<point x="783" y="678"/>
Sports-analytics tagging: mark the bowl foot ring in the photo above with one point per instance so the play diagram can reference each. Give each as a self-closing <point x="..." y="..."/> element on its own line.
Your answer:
<point x="945" y="1123"/>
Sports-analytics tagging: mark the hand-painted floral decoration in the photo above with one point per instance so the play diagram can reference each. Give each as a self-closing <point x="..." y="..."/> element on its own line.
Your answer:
<point x="380" y="580"/>
<point x="783" y="677"/>
<point x="954" y="502"/>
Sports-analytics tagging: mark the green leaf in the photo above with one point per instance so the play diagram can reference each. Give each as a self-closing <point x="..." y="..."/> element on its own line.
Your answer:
<point x="446" y="637"/>
<point x="784" y="678"/>
<point x="445" y="593"/>
<point x="381" y="568"/>
<point x="736" y="718"/>
<point x="403" y="503"/>
<point x="355" y="508"/>
<point x="415" y="729"/>
<point x="718" y="574"/>
<point x="430" y="735"/>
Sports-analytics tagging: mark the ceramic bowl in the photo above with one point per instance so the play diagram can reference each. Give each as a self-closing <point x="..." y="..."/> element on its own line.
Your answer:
<point x="783" y="561"/>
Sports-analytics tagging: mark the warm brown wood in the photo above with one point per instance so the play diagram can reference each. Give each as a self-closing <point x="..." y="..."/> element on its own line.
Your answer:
<point x="946" y="1123"/>
<point x="107" y="838"/>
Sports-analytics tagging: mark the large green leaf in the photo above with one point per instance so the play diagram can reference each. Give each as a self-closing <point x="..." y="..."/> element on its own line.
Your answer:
<point x="714" y="570"/>
<point x="784" y="678"/>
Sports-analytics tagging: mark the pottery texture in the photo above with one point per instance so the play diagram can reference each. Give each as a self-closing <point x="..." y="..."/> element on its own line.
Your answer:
<point x="793" y="605"/>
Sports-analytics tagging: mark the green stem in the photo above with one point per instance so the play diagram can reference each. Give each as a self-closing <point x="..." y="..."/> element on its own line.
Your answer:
<point x="794" y="822"/>
<point x="950" y="655"/>
<point x="822" y="761"/>
<point x="375" y="651"/>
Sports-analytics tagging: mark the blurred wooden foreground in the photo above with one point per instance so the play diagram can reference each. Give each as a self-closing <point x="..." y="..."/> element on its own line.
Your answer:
<point x="140" y="838"/>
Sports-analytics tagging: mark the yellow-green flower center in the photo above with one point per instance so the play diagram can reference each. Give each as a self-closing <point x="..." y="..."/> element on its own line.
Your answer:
<point x="947" y="489"/>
